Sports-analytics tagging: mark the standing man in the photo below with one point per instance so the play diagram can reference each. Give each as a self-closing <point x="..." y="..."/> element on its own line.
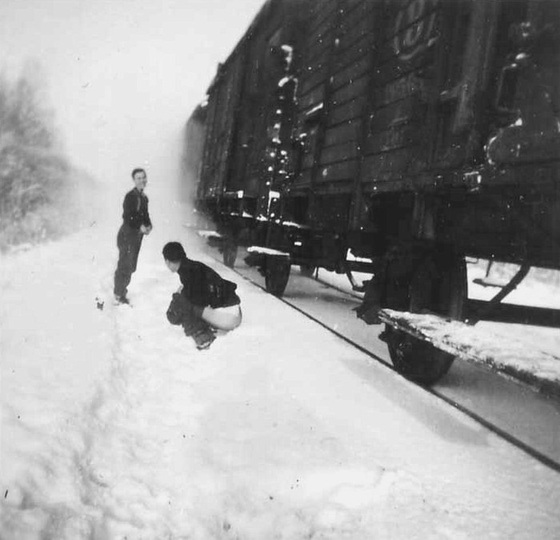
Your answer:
<point x="136" y="223"/>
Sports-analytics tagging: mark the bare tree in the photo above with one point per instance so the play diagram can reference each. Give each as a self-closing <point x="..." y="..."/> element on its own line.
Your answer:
<point x="33" y="172"/>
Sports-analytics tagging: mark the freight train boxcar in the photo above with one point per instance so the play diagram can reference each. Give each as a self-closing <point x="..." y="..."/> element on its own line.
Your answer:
<point x="245" y="120"/>
<point x="408" y="133"/>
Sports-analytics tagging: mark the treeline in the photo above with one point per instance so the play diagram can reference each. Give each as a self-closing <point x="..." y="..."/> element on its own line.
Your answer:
<point x="35" y="177"/>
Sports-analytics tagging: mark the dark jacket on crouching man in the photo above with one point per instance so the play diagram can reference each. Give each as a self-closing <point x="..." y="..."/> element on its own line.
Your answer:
<point x="206" y="302"/>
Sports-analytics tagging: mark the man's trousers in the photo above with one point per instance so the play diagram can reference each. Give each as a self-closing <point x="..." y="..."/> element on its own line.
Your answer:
<point x="129" y="241"/>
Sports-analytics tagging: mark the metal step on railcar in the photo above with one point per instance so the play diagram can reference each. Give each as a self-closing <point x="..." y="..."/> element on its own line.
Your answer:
<point x="508" y="357"/>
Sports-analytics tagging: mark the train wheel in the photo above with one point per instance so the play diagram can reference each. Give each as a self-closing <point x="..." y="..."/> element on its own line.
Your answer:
<point x="307" y="270"/>
<point x="437" y="284"/>
<point x="276" y="275"/>
<point x="230" y="254"/>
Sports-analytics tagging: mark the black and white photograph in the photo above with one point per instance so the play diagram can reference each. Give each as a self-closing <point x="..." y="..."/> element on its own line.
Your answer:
<point x="279" y="269"/>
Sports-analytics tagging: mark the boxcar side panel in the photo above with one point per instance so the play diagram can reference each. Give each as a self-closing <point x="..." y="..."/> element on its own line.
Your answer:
<point x="313" y="87"/>
<point x="398" y="135"/>
<point x="223" y="101"/>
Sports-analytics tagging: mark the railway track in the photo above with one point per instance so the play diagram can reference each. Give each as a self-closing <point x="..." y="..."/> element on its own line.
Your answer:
<point x="535" y="433"/>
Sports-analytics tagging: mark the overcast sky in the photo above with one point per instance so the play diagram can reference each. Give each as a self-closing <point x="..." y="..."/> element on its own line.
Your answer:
<point x="123" y="75"/>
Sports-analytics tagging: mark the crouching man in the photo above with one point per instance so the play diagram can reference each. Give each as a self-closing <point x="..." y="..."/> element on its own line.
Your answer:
<point x="205" y="302"/>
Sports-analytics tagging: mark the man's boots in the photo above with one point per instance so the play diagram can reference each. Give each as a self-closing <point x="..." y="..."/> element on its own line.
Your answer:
<point x="189" y="316"/>
<point x="203" y="338"/>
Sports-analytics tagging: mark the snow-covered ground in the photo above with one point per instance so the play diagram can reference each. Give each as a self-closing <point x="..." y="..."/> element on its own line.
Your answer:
<point x="114" y="426"/>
